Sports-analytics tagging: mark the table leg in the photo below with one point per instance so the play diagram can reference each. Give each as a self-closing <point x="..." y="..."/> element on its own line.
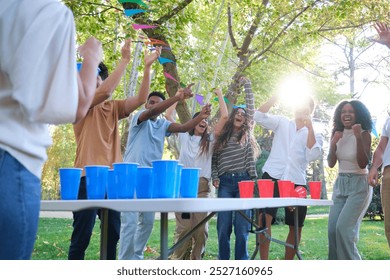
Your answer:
<point x="164" y="236"/>
<point x="103" y="233"/>
<point x="296" y="234"/>
<point x="190" y="233"/>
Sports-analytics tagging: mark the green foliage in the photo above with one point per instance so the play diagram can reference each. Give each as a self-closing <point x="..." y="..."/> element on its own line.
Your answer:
<point x="60" y="154"/>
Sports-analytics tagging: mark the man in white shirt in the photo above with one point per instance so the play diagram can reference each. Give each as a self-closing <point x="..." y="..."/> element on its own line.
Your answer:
<point x="294" y="145"/>
<point x="39" y="85"/>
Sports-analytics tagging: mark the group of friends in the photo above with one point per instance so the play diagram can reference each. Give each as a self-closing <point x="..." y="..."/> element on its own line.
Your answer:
<point x="39" y="85"/>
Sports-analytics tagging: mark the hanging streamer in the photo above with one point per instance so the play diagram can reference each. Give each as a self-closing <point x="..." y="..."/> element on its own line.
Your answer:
<point x="225" y="98"/>
<point x="139" y="2"/>
<point x="164" y="60"/>
<point x="131" y="12"/>
<point x="374" y="131"/>
<point x="167" y="75"/>
<point x="199" y="98"/>
<point x="143" y="26"/>
<point x="164" y="48"/>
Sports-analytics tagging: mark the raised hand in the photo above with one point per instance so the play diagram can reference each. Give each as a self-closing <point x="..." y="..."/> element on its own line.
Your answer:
<point x="218" y="91"/>
<point x="126" y="50"/>
<point x="92" y="48"/>
<point x="185" y="93"/>
<point x="206" y="111"/>
<point x="384" y="34"/>
<point x="357" y="130"/>
<point x="152" y="57"/>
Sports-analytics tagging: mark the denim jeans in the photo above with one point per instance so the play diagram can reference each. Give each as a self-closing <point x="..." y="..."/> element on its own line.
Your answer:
<point x="83" y="223"/>
<point x="228" y="188"/>
<point x="20" y="193"/>
<point x="136" y="228"/>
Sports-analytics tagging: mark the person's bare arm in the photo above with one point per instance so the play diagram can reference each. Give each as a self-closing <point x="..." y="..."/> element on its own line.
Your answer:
<point x="109" y="85"/>
<point x="157" y="109"/>
<point x="377" y="161"/>
<point x="133" y="102"/>
<point x="224" y="115"/>
<point x="332" y="158"/>
<point x="177" y="127"/>
<point x="92" y="52"/>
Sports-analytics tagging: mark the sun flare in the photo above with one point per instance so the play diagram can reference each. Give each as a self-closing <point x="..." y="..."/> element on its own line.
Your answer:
<point x="292" y="89"/>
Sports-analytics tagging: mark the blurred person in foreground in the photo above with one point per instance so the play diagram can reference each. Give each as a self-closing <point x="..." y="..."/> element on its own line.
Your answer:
<point x="39" y="85"/>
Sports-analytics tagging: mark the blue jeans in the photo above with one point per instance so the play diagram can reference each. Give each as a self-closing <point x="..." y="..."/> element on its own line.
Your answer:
<point x="20" y="193"/>
<point x="136" y="228"/>
<point x="228" y="188"/>
<point x="83" y="223"/>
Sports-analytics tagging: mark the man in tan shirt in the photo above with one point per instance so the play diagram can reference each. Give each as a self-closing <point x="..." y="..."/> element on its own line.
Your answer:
<point x="98" y="143"/>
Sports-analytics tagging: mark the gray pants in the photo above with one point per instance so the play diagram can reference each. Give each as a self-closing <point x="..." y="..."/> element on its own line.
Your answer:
<point x="351" y="198"/>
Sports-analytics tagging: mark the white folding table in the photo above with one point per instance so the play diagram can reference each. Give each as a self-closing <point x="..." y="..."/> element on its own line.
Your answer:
<point x="164" y="206"/>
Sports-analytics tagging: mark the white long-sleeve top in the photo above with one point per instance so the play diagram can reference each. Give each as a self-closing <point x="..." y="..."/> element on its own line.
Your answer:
<point x="38" y="82"/>
<point x="289" y="154"/>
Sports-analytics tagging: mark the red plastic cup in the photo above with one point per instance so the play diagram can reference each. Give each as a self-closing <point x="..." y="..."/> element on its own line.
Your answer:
<point x="301" y="192"/>
<point x="246" y="189"/>
<point x="265" y="187"/>
<point x="286" y="188"/>
<point x="315" y="189"/>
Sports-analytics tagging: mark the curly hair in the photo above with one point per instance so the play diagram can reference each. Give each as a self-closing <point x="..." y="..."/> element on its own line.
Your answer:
<point x="244" y="135"/>
<point x="362" y="115"/>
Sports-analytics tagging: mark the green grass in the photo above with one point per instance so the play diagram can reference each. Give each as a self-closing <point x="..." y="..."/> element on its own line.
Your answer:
<point x="54" y="236"/>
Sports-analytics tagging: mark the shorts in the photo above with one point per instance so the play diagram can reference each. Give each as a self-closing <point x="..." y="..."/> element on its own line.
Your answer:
<point x="289" y="215"/>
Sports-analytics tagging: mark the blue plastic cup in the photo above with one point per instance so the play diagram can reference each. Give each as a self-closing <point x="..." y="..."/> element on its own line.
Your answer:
<point x="189" y="182"/>
<point x="80" y="65"/>
<point x="69" y="182"/>
<point x="97" y="178"/>
<point x="112" y="185"/>
<point x="178" y="180"/>
<point x="144" y="187"/>
<point x="126" y="176"/>
<point x="165" y="174"/>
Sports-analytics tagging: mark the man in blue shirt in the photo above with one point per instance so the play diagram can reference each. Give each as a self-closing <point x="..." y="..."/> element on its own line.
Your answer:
<point x="146" y="143"/>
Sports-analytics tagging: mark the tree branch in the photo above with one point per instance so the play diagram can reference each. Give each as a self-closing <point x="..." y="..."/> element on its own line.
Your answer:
<point x="296" y="63"/>
<point x="252" y="30"/>
<point x="173" y="12"/>
<point x="230" y="29"/>
<point x="278" y="36"/>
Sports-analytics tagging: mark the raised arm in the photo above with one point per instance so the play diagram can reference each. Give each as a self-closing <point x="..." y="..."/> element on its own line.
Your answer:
<point x="133" y="102"/>
<point x="363" y="142"/>
<point x="332" y="158"/>
<point x="249" y="99"/>
<point x="92" y="53"/>
<point x="268" y="104"/>
<point x="109" y="85"/>
<point x="157" y="109"/>
<point x="204" y="113"/>
<point x="224" y="115"/>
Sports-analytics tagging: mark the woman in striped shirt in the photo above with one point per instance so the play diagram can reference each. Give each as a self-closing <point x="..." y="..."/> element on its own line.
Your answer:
<point x="233" y="161"/>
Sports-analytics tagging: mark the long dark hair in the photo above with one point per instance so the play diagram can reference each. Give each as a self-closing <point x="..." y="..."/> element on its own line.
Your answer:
<point x="204" y="140"/>
<point x="362" y="115"/>
<point x="245" y="134"/>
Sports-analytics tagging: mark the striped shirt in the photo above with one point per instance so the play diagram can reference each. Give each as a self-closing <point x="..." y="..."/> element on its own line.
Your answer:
<point x="234" y="157"/>
<point x="237" y="157"/>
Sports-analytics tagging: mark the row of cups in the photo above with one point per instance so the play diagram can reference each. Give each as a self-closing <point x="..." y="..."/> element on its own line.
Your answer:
<point x="286" y="189"/>
<point x="126" y="180"/>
